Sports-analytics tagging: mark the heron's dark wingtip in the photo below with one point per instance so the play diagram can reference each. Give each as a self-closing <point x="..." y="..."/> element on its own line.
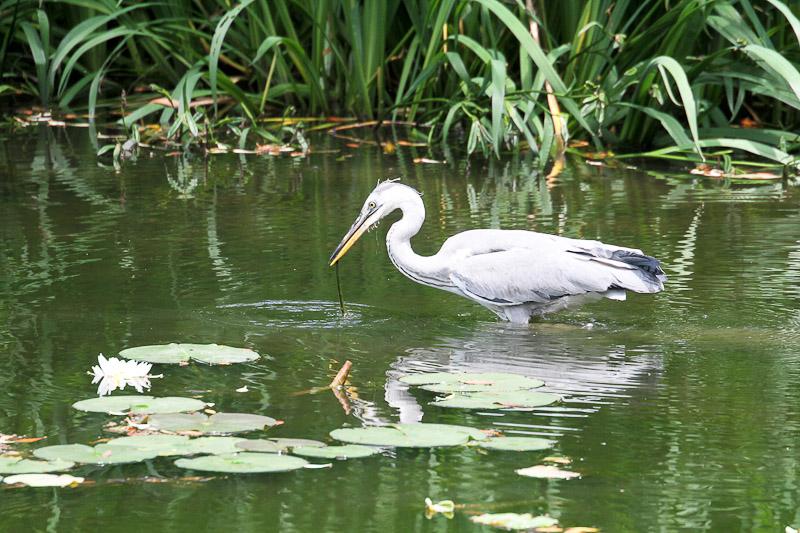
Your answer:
<point x="646" y="263"/>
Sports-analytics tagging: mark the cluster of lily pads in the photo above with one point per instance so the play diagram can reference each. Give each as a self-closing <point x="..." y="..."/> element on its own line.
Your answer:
<point x="489" y="390"/>
<point x="205" y="440"/>
<point x="166" y="418"/>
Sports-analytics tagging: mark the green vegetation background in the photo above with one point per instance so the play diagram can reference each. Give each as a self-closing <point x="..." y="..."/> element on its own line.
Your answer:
<point x="688" y="79"/>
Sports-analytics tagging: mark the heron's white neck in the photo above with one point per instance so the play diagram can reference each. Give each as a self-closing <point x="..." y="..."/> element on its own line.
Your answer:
<point x="421" y="269"/>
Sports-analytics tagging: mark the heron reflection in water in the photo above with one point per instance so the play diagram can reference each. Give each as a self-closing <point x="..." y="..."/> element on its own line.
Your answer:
<point x="514" y="273"/>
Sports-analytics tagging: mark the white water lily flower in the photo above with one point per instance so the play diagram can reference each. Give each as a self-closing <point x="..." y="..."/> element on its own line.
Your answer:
<point x="44" y="480"/>
<point x="446" y="507"/>
<point x="114" y="373"/>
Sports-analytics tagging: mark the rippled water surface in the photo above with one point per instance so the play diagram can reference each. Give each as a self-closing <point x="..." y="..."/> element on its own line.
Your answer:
<point x="680" y="410"/>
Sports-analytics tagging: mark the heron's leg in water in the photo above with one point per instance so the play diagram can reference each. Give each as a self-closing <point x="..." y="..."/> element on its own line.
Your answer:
<point x="517" y="314"/>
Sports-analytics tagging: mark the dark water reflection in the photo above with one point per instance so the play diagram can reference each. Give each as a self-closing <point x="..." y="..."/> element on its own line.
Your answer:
<point x="681" y="410"/>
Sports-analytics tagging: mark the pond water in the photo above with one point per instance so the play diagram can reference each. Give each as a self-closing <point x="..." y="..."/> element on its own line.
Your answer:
<point x="681" y="410"/>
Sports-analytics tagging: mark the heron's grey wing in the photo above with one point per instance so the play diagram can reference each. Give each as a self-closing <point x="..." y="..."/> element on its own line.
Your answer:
<point x="522" y="275"/>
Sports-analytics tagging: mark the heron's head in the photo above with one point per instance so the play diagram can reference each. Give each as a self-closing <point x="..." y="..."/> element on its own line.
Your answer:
<point x="386" y="197"/>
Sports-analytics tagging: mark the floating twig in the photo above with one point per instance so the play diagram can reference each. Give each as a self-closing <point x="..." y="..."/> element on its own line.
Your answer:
<point x="341" y="377"/>
<point x="336" y="386"/>
<point x="337" y="383"/>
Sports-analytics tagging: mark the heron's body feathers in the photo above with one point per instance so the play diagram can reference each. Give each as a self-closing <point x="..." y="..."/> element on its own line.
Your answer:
<point x="507" y="268"/>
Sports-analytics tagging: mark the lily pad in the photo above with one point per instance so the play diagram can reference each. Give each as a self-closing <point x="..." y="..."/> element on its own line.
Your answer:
<point x="516" y="444"/>
<point x="139" y="404"/>
<point x="500" y="400"/>
<point x="429" y="377"/>
<point x="260" y="445"/>
<point x="472" y="382"/>
<point x="294" y="443"/>
<point x="160" y="444"/>
<point x="244" y="462"/>
<point x="213" y="445"/>
<point x="100" y="454"/>
<point x="409" y="435"/>
<point x="514" y="520"/>
<point x="16" y="465"/>
<point x="219" y="423"/>
<point x="348" y="451"/>
<point x="43" y="480"/>
<point x="178" y="444"/>
<point x="212" y="354"/>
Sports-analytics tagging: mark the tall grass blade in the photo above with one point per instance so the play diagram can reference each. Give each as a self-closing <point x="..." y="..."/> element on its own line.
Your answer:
<point x="670" y="123"/>
<point x="498" y="92"/>
<point x="39" y="59"/>
<point x="776" y="63"/>
<point x="753" y="147"/>
<point x="216" y="46"/>
<point x="790" y="16"/>
<point x="685" y="90"/>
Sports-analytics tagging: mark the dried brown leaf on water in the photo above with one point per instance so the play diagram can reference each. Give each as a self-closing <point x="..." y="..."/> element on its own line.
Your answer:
<point x="708" y="171"/>
<point x="757" y="176"/>
<point x="15" y="439"/>
<point x="409" y="143"/>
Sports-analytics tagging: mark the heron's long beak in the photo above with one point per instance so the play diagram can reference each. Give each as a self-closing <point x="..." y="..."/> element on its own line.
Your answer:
<point x="359" y="227"/>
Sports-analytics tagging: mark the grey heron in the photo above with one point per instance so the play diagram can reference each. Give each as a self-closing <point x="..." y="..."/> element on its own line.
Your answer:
<point x="514" y="273"/>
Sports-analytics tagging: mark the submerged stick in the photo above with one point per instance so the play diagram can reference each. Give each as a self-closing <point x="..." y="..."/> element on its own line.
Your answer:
<point x="339" y="289"/>
<point x="337" y="386"/>
<point x="344" y="401"/>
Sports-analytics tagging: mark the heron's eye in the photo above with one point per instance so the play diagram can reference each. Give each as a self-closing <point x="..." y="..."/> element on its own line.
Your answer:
<point x="371" y="205"/>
